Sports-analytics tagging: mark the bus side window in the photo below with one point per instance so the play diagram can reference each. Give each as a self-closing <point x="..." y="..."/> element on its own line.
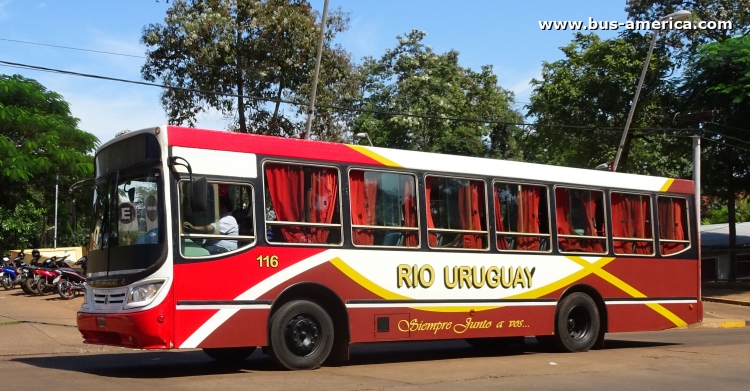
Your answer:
<point x="521" y="217"/>
<point x="457" y="213"/>
<point x="632" y="228"/>
<point x="580" y="220"/>
<point x="384" y="209"/>
<point x="225" y="226"/>
<point x="303" y="205"/>
<point x="673" y="225"/>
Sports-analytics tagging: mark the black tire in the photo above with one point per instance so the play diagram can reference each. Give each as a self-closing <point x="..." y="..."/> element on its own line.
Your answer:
<point x="496" y="343"/>
<point x="30" y="286"/>
<point x="576" y="323"/>
<point x="301" y="335"/>
<point x="41" y="288"/>
<point x="229" y="355"/>
<point x="65" y="289"/>
<point x="24" y="287"/>
<point x="5" y="280"/>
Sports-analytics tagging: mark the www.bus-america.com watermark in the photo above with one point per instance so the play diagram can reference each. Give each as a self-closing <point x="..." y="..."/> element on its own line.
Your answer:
<point x="594" y="25"/>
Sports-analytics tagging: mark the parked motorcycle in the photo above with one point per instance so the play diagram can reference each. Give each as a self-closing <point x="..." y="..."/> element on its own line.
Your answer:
<point x="9" y="275"/>
<point x="45" y="275"/>
<point x="70" y="282"/>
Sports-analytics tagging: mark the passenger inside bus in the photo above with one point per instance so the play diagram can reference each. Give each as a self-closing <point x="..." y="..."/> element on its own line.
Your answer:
<point x="227" y="225"/>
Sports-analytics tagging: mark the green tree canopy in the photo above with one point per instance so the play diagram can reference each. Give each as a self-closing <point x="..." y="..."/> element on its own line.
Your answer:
<point x="413" y="79"/>
<point x="685" y="41"/>
<point x="243" y="49"/>
<point x="593" y="86"/>
<point x="39" y="139"/>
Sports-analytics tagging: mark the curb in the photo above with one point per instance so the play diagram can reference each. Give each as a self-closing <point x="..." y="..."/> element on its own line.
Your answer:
<point x="720" y="324"/>
<point x="726" y="301"/>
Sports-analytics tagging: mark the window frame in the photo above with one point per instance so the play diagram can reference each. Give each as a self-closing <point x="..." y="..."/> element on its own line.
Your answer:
<point x="303" y="224"/>
<point x="517" y="234"/>
<point x="689" y="240"/>
<point x="416" y="229"/>
<point x="653" y="226"/>
<point x="458" y="231"/>
<point x="605" y="238"/>
<point x="215" y="236"/>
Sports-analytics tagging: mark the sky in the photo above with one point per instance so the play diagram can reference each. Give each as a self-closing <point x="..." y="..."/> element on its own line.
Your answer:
<point x="501" y="33"/>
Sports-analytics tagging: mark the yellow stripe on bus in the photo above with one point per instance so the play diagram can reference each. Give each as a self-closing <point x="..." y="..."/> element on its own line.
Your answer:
<point x="596" y="268"/>
<point x="374" y="156"/>
<point x="666" y="185"/>
<point x="365" y="282"/>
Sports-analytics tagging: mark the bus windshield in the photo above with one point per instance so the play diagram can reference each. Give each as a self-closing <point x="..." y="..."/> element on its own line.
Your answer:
<point x="128" y="228"/>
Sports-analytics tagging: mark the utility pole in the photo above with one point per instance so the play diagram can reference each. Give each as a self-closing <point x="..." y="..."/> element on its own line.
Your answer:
<point x="311" y="109"/>
<point x="57" y="181"/>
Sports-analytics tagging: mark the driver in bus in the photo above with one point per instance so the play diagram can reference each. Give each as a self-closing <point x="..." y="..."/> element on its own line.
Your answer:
<point x="227" y="226"/>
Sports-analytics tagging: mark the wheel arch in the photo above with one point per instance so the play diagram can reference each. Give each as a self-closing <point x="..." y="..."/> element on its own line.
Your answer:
<point x="598" y="299"/>
<point x="331" y="303"/>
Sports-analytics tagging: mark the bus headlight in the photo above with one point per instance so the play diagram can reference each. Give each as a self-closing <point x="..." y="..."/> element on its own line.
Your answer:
<point x="143" y="294"/>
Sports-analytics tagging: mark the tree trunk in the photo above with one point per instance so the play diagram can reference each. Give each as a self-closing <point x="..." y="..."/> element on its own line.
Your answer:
<point x="274" y="125"/>
<point x="241" y="103"/>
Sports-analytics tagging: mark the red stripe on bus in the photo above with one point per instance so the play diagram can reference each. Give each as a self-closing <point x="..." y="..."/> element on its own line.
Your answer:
<point x="683" y="186"/>
<point x="266" y="145"/>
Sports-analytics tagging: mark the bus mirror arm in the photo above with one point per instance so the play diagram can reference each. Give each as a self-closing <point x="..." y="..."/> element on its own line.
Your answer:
<point x="198" y="187"/>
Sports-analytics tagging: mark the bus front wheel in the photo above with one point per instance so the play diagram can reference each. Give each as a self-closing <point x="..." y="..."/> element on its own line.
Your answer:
<point x="301" y="335"/>
<point x="577" y="323"/>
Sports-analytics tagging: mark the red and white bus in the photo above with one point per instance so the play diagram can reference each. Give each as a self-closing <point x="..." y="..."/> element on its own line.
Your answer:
<point x="336" y="244"/>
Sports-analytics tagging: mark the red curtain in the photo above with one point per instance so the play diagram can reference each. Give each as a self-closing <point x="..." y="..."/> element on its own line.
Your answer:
<point x="286" y="186"/>
<point x="630" y="219"/>
<point x="589" y="205"/>
<point x="470" y="204"/>
<point x="324" y="188"/>
<point x="363" y="193"/>
<point x="528" y="218"/>
<point x="564" y="225"/>
<point x="432" y="237"/>
<point x="502" y="242"/>
<point x="410" y="212"/>
<point x="671" y="216"/>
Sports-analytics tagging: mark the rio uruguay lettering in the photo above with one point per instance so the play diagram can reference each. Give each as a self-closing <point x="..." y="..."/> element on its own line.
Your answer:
<point x="413" y="276"/>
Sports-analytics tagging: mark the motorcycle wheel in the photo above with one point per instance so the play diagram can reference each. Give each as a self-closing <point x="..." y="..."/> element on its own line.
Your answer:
<point x="5" y="280"/>
<point x="65" y="289"/>
<point x="41" y="288"/>
<point x="29" y="286"/>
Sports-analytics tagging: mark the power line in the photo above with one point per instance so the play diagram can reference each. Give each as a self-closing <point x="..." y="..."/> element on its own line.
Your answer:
<point x="70" y="48"/>
<point x="727" y="136"/>
<point x="725" y="144"/>
<point x="341" y="108"/>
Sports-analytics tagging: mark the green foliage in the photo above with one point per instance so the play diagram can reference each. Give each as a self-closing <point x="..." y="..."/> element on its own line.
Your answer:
<point x="686" y="41"/>
<point x="20" y="226"/>
<point x="39" y="139"/>
<point x="262" y="48"/>
<point x="721" y="215"/>
<point x="718" y="78"/>
<point x="413" y="79"/>
<point x="593" y="86"/>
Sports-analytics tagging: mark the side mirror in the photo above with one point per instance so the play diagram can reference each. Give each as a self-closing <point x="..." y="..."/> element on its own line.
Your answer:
<point x="199" y="194"/>
<point x="72" y="214"/>
<point x="131" y="194"/>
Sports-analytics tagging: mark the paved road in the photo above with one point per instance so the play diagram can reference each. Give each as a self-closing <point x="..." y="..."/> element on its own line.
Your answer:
<point x="668" y="360"/>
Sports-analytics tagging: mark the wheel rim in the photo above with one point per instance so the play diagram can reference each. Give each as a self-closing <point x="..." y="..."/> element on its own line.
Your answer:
<point x="302" y="335"/>
<point x="579" y="323"/>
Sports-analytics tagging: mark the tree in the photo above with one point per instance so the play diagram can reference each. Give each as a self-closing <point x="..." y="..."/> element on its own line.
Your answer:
<point x="413" y="79"/>
<point x="39" y="139"/>
<point x="593" y="87"/>
<point x="718" y="77"/>
<point x="685" y="41"/>
<point x="224" y="55"/>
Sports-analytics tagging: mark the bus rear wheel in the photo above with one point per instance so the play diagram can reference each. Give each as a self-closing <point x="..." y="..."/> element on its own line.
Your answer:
<point x="301" y="335"/>
<point x="577" y="323"/>
<point x="229" y="355"/>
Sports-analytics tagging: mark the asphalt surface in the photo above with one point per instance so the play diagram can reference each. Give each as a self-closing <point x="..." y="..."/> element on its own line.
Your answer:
<point x="41" y="348"/>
